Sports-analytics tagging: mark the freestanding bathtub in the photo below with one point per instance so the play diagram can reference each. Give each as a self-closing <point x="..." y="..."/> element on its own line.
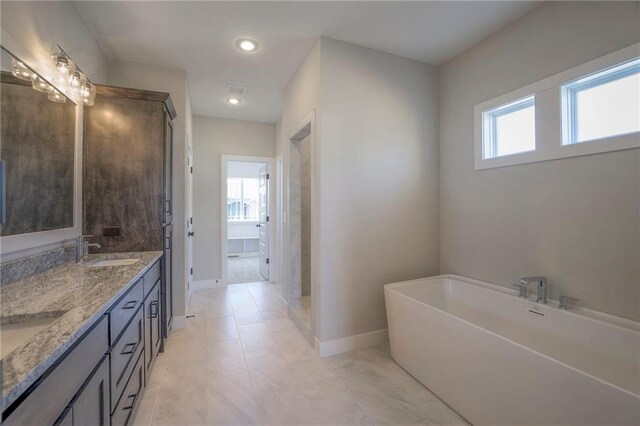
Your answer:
<point x="501" y="360"/>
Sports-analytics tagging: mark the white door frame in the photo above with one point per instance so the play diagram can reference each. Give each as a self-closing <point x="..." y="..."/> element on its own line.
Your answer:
<point x="307" y="127"/>
<point x="226" y="158"/>
<point x="280" y="208"/>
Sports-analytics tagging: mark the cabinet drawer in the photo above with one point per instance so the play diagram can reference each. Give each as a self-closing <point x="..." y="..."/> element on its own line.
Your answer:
<point x="126" y="408"/>
<point x="124" y="355"/>
<point x="151" y="277"/>
<point x="47" y="401"/>
<point x="124" y="310"/>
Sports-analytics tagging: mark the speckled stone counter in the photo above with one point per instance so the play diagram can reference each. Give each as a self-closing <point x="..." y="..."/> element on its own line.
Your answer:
<point x="75" y="295"/>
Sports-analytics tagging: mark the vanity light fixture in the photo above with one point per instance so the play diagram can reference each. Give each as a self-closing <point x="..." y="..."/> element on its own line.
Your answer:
<point x="20" y="70"/>
<point x="57" y="97"/>
<point x="70" y="79"/>
<point x="234" y="101"/>
<point x="42" y="86"/>
<point x="247" y="45"/>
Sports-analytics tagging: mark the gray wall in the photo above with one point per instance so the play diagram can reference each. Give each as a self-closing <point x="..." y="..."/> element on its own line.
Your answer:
<point x="213" y="137"/>
<point x="573" y="220"/>
<point x="379" y="182"/>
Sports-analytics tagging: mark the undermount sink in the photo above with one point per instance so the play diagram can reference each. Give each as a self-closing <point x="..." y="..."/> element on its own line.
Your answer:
<point x="111" y="262"/>
<point x="13" y="336"/>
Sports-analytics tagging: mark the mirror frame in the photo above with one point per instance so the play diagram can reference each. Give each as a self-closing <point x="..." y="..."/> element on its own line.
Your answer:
<point x="16" y="246"/>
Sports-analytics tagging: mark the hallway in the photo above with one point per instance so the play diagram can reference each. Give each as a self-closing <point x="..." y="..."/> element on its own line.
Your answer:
<point x="241" y="361"/>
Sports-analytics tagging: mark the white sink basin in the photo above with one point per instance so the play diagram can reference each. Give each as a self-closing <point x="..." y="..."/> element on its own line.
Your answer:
<point x="13" y="336"/>
<point x="112" y="262"/>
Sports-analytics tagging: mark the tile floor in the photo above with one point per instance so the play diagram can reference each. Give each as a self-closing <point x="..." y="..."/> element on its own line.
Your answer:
<point x="243" y="270"/>
<point x="241" y="361"/>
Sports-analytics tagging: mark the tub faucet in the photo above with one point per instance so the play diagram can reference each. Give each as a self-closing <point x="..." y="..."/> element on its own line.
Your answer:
<point x="82" y="246"/>
<point x="542" y="287"/>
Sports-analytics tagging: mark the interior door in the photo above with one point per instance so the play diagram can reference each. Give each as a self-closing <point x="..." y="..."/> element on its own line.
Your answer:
<point x="263" y="249"/>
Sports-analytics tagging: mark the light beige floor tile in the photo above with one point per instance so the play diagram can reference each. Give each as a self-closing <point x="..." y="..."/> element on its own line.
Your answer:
<point x="220" y="366"/>
<point x="248" y="316"/>
<point x="279" y="324"/>
<point x="186" y="419"/>
<point x="230" y="401"/>
<point x="221" y="329"/>
<point x="231" y="347"/>
<point x="255" y="337"/>
<point x="275" y="314"/>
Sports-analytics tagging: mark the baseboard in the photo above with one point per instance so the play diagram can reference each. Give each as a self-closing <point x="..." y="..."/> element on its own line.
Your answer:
<point x="179" y="321"/>
<point x="215" y="283"/>
<point x="351" y="343"/>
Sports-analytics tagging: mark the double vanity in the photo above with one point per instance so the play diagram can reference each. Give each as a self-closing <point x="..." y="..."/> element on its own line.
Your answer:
<point x="79" y="334"/>
<point x="80" y="340"/>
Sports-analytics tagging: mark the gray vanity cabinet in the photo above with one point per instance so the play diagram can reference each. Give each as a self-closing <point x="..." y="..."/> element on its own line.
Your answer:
<point x="91" y="407"/>
<point x="101" y="379"/>
<point x="152" y="328"/>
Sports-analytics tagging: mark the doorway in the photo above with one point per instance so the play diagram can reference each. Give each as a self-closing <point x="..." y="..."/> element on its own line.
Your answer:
<point x="247" y="253"/>
<point x="302" y="225"/>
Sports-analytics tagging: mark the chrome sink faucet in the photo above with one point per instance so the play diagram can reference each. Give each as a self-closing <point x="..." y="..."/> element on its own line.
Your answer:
<point x="82" y="247"/>
<point x="541" y="283"/>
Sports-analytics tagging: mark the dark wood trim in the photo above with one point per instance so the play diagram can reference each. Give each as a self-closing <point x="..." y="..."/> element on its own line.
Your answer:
<point x="144" y="95"/>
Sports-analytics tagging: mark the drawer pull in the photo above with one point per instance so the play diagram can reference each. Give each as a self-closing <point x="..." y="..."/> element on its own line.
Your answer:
<point x="154" y="309"/>
<point x="130" y="304"/>
<point x="127" y="351"/>
<point x="133" y="398"/>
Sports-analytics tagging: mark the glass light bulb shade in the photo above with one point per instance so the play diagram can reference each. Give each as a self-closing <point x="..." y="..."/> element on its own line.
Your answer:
<point x="76" y="79"/>
<point x="42" y="86"/>
<point x="63" y="64"/>
<point x="19" y="70"/>
<point x="57" y="97"/>
<point x="234" y="101"/>
<point x="87" y="94"/>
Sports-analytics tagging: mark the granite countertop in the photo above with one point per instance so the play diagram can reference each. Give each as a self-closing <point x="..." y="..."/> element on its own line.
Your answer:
<point x="76" y="296"/>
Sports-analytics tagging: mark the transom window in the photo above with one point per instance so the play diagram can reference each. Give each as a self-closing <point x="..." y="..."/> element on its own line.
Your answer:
<point x="509" y="129"/>
<point x="242" y="199"/>
<point x="603" y="104"/>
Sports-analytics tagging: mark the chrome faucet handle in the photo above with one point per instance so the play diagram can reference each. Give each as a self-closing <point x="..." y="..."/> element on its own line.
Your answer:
<point x="522" y="288"/>
<point x="566" y="302"/>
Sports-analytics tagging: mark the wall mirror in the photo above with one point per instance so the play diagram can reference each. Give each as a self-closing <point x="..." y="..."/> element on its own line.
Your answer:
<point x="37" y="152"/>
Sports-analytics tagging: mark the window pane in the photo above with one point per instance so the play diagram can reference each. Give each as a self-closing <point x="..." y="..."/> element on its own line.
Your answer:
<point x="516" y="132"/>
<point x="609" y="109"/>
<point x="251" y="195"/>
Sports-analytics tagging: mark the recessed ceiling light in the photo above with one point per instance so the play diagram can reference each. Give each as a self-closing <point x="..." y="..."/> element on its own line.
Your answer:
<point x="247" y="45"/>
<point x="233" y="101"/>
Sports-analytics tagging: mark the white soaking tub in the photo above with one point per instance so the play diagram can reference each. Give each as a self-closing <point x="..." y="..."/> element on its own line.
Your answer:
<point x="501" y="360"/>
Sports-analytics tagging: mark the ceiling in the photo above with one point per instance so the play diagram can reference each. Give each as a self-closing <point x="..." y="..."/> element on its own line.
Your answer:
<point x="199" y="37"/>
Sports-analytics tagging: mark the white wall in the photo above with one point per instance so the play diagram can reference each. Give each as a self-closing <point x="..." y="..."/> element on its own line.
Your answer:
<point x="213" y="137"/>
<point x="573" y="220"/>
<point x="301" y="97"/>
<point x="236" y="169"/>
<point x="146" y="77"/>
<point x="379" y="182"/>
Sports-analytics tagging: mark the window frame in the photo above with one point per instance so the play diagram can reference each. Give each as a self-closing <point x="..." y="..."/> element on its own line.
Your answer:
<point x="571" y="89"/>
<point x="550" y="110"/>
<point x="490" y="121"/>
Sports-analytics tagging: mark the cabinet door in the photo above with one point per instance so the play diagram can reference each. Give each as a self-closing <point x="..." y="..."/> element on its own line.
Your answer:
<point x="91" y="405"/>
<point x="156" y="321"/>
<point x="167" y="291"/>
<point x="148" y="353"/>
<point x="168" y="169"/>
